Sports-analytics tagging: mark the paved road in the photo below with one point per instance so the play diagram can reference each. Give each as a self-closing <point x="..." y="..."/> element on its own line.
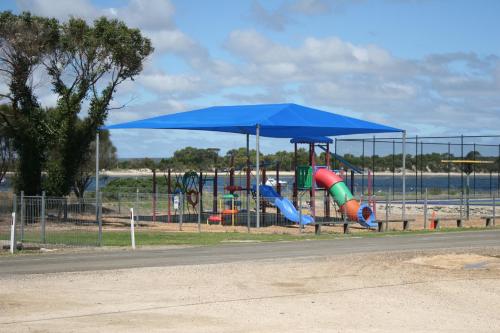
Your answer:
<point x="117" y="259"/>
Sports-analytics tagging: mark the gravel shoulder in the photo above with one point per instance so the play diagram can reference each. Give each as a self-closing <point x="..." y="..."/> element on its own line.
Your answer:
<point x="439" y="290"/>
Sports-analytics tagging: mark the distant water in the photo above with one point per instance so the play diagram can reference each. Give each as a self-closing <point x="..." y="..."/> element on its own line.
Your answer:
<point x="382" y="183"/>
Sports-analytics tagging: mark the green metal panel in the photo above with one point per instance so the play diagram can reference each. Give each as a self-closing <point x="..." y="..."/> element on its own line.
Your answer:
<point x="304" y="177"/>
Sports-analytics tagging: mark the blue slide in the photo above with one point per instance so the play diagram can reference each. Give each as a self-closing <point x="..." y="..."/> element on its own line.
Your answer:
<point x="284" y="205"/>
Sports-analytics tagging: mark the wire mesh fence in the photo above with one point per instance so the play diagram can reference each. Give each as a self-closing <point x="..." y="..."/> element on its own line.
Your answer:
<point x="429" y="164"/>
<point x="49" y="220"/>
<point x="86" y="221"/>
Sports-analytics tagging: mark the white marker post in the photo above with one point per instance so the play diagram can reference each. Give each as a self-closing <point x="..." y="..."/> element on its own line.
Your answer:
<point x="13" y="233"/>
<point x="132" y="230"/>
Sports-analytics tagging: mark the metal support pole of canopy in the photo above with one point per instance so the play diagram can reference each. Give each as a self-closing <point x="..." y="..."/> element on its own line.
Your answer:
<point x="248" y="183"/>
<point x="257" y="174"/>
<point x="97" y="211"/>
<point x="404" y="176"/>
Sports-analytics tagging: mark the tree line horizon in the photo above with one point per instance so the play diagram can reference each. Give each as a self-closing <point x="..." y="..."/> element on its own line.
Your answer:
<point x="207" y="159"/>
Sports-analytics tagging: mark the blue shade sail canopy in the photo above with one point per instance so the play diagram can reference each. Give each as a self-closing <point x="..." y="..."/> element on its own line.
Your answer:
<point x="275" y="120"/>
<point x="312" y="139"/>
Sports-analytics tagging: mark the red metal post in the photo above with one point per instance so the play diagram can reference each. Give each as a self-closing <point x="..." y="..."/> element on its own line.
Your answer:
<point x="231" y="174"/>
<point x="169" y="197"/>
<point x="313" y="183"/>
<point x="327" y="194"/>
<point x="214" y="209"/>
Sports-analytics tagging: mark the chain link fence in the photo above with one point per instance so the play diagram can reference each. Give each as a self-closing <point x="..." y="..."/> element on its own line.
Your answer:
<point x="70" y="221"/>
<point x="427" y="163"/>
<point x="49" y="220"/>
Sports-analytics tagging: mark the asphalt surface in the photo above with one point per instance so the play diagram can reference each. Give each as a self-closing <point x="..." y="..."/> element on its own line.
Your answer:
<point x="121" y="259"/>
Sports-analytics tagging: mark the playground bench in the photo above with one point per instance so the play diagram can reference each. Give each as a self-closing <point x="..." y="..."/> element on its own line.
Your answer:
<point x="381" y="223"/>
<point x="345" y="224"/>
<point x="490" y="220"/>
<point x="437" y="225"/>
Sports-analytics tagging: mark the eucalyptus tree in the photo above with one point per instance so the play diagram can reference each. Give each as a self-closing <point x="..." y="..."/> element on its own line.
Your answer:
<point x="85" y="64"/>
<point x="25" y="41"/>
<point x="86" y="68"/>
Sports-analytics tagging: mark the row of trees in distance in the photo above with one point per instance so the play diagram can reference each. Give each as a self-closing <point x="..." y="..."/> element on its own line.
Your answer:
<point x="190" y="158"/>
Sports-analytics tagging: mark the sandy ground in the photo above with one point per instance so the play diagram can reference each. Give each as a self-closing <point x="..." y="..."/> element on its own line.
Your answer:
<point x="438" y="291"/>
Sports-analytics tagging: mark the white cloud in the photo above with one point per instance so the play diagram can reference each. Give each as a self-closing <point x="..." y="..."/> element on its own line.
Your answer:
<point x="172" y="85"/>
<point x="147" y="14"/>
<point x="370" y="82"/>
<point x="61" y="10"/>
<point x="315" y="56"/>
<point x="287" y="13"/>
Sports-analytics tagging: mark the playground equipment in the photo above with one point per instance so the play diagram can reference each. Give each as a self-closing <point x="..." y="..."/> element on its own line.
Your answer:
<point x="285" y="206"/>
<point x="335" y="185"/>
<point x="227" y="207"/>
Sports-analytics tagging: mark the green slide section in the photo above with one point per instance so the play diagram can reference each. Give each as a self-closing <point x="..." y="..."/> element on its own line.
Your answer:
<point x="340" y="192"/>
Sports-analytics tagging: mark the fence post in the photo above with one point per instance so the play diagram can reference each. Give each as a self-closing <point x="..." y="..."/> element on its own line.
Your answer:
<point x="119" y="203"/>
<point x="461" y="205"/>
<point x="132" y="229"/>
<point x="22" y="215"/>
<point x="300" y="214"/>
<point x="199" y="211"/>
<point x="137" y="214"/>
<point x="99" y="217"/>
<point x="65" y="218"/>
<point x="386" y="211"/>
<point x="494" y="210"/>
<point x="425" y="209"/>
<point x="13" y="233"/>
<point x="346" y="226"/>
<point x="14" y="203"/>
<point x="42" y="217"/>
<point x="181" y="198"/>
<point x="248" y="212"/>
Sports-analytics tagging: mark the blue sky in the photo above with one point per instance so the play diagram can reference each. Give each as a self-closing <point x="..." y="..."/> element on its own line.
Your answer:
<point x="431" y="67"/>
